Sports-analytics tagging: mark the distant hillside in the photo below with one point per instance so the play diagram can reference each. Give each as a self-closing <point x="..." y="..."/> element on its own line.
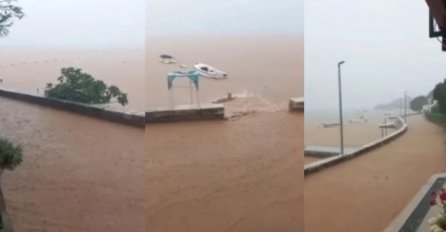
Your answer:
<point x="394" y="104"/>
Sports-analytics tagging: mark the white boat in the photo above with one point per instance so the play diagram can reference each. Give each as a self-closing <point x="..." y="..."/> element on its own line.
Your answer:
<point x="209" y="71"/>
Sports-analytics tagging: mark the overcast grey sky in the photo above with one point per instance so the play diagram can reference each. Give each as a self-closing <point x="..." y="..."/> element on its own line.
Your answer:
<point x="80" y="23"/>
<point x="210" y="17"/>
<point x="386" y="47"/>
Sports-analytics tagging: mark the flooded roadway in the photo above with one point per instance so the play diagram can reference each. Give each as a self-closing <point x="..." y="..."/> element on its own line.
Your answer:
<point x="78" y="174"/>
<point x="368" y="192"/>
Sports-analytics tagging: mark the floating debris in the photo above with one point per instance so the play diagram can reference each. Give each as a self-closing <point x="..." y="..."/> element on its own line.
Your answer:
<point x="225" y="99"/>
<point x="167" y="59"/>
<point x="328" y="125"/>
<point x="165" y="56"/>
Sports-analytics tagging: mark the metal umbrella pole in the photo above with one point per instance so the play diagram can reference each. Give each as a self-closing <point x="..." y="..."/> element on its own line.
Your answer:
<point x="191" y="92"/>
<point x="171" y="98"/>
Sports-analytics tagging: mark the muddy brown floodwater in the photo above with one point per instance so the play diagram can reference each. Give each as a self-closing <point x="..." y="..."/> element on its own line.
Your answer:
<point x="243" y="175"/>
<point x="79" y="174"/>
<point x="267" y="67"/>
<point x="367" y="193"/>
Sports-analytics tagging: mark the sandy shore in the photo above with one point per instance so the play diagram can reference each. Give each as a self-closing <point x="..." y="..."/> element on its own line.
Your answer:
<point x="79" y="174"/>
<point x="367" y="193"/>
<point x="243" y="175"/>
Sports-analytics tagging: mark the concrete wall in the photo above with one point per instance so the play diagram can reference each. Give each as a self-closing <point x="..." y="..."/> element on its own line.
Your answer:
<point x="296" y="105"/>
<point x="137" y="120"/>
<point x="186" y="113"/>
<point x="320" y="165"/>
<point x="325" y="152"/>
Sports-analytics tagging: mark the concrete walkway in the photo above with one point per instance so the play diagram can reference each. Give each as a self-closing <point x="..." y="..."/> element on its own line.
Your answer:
<point x="366" y="193"/>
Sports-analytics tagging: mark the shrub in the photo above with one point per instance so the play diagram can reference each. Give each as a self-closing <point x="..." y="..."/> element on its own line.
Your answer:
<point x="11" y="156"/>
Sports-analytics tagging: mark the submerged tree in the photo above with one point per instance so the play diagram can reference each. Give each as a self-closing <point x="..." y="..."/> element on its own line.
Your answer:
<point x="75" y="85"/>
<point x="10" y="155"/>
<point x="417" y="103"/>
<point x="8" y="13"/>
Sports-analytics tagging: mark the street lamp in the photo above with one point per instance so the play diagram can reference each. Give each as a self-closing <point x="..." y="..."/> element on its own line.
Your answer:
<point x="340" y="107"/>
<point x="405" y="107"/>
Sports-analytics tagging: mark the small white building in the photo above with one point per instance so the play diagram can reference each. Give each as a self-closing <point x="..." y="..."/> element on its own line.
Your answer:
<point x="428" y="108"/>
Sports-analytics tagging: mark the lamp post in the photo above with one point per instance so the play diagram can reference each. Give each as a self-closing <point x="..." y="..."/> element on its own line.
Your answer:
<point x="405" y="107"/>
<point x="341" y="123"/>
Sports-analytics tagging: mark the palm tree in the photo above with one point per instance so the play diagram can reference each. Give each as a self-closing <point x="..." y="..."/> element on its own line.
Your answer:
<point x="8" y="13"/>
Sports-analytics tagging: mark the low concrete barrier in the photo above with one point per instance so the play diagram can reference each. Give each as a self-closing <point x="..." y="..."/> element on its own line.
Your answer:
<point x="186" y="113"/>
<point x="320" y="165"/>
<point x="416" y="214"/>
<point x="325" y="152"/>
<point x="131" y="119"/>
<point x="7" y="225"/>
<point x="297" y="105"/>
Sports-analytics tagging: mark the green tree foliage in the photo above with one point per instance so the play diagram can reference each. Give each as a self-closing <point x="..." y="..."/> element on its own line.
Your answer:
<point x="417" y="103"/>
<point x="8" y="13"/>
<point x="75" y="85"/>
<point x="10" y="156"/>
<point x="440" y="96"/>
